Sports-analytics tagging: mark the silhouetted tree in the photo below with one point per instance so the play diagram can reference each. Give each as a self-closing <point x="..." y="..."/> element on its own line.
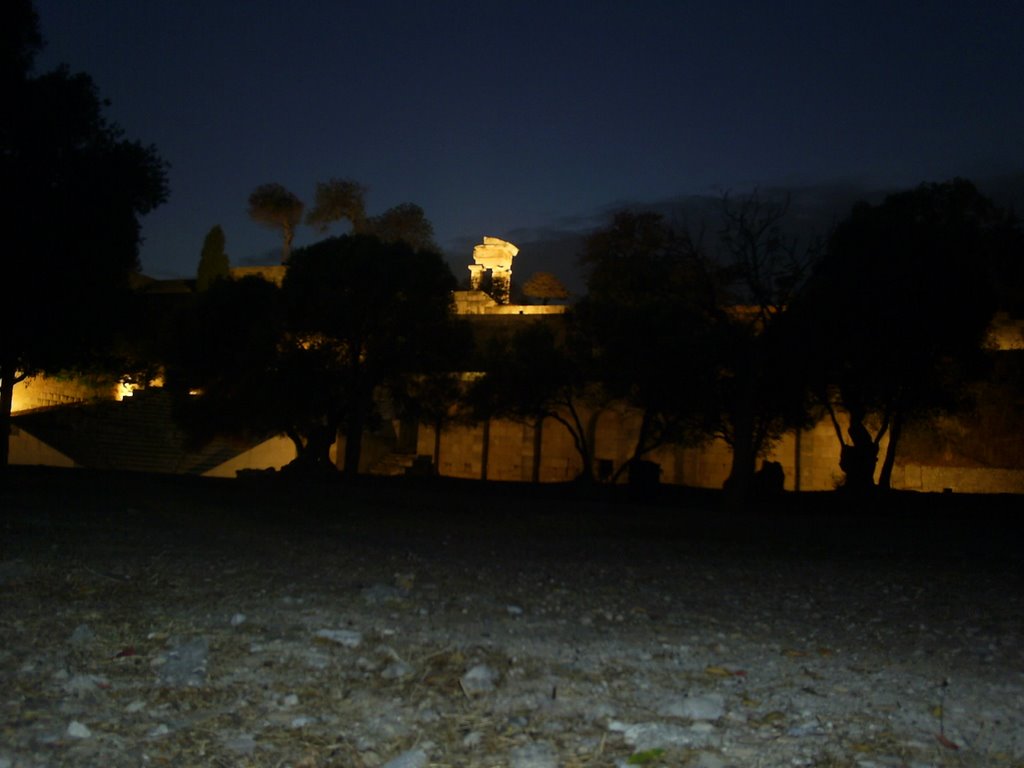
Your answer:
<point x="649" y="300"/>
<point x="340" y="200"/>
<point x="374" y="312"/>
<point x="761" y="392"/>
<point x="656" y="294"/>
<point x="545" y="286"/>
<point x="404" y="223"/>
<point x="76" y="191"/>
<point x="273" y="205"/>
<point x="899" y="309"/>
<point x="20" y="41"/>
<point x="337" y="200"/>
<point x="213" y="262"/>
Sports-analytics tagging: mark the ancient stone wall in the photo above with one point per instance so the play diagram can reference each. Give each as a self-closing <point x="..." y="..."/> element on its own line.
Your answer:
<point x="47" y="391"/>
<point x="809" y="460"/>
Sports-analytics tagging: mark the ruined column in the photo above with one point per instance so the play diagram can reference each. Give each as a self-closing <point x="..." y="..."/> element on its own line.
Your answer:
<point x="476" y="276"/>
<point x="496" y="256"/>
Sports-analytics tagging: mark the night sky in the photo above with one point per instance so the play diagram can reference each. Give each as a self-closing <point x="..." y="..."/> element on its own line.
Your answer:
<point x="526" y="119"/>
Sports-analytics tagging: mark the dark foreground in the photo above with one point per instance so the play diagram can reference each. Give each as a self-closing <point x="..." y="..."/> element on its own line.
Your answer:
<point x="153" y="620"/>
<point x="978" y="527"/>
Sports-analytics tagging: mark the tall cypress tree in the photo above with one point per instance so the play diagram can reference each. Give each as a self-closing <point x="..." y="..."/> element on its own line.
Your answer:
<point x="213" y="263"/>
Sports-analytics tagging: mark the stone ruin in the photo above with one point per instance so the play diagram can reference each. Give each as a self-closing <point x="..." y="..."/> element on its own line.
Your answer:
<point x="494" y="256"/>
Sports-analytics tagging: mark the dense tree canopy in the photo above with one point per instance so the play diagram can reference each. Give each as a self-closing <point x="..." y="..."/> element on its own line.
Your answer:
<point x="648" y="302"/>
<point x="898" y="311"/>
<point x="77" y="189"/>
<point x="402" y="223"/>
<point x="376" y="311"/>
<point x="694" y="338"/>
<point x="337" y="200"/>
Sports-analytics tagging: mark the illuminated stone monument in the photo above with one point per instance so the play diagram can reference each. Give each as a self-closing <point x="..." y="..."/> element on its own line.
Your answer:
<point x="494" y="256"/>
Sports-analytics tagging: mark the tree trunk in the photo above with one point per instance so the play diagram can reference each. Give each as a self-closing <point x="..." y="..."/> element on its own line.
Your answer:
<point x="885" y="477"/>
<point x="353" y="442"/>
<point x="736" y="489"/>
<point x="6" y="402"/>
<point x="300" y="446"/>
<point x="319" y="445"/>
<point x="313" y="451"/>
<point x="437" y="446"/>
<point x="538" y="445"/>
<point x="286" y="250"/>
<point x="744" y="458"/>
<point x="797" y="468"/>
<point x="858" y="459"/>
<point x="639" y="448"/>
<point x="580" y="438"/>
<point x="486" y="450"/>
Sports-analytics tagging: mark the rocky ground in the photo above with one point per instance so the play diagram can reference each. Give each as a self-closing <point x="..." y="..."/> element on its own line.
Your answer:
<point x="145" y="622"/>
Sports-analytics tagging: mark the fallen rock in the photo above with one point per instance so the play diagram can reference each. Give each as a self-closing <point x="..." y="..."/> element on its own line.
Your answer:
<point x="479" y="679"/>
<point x="709" y="706"/>
<point x="77" y="730"/>
<point x="347" y="638"/>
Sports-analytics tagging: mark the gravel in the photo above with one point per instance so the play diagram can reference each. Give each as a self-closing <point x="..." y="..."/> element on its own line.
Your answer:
<point x="145" y="630"/>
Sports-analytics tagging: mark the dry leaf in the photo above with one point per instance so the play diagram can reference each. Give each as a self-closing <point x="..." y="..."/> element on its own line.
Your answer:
<point x="946" y="742"/>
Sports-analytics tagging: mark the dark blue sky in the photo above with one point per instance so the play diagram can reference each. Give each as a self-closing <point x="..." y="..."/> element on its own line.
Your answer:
<point x="505" y="118"/>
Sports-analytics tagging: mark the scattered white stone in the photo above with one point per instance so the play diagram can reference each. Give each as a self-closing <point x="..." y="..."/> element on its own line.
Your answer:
<point x="535" y="755"/>
<point x="77" y="730"/>
<point x="347" y="638"/>
<point x="710" y="706"/>
<point x="397" y="670"/>
<point x="184" y="663"/>
<point x="645" y="736"/>
<point x="82" y="636"/>
<point x="472" y="739"/>
<point x="514" y="610"/>
<point x="160" y="730"/>
<point x="479" y="679"/>
<point x="709" y="760"/>
<point x="428" y="715"/>
<point x="243" y="743"/>
<point x="302" y="721"/>
<point x="314" y="659"/>
<point x="414" y="758"/>
<point x="364" y="664"/>
<point x="600" y="711"/>
<point x="136" y="706"/>
<point x="83" y="686"/>
<point x="291" y="700"/>
<point x="238" y="619"/>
